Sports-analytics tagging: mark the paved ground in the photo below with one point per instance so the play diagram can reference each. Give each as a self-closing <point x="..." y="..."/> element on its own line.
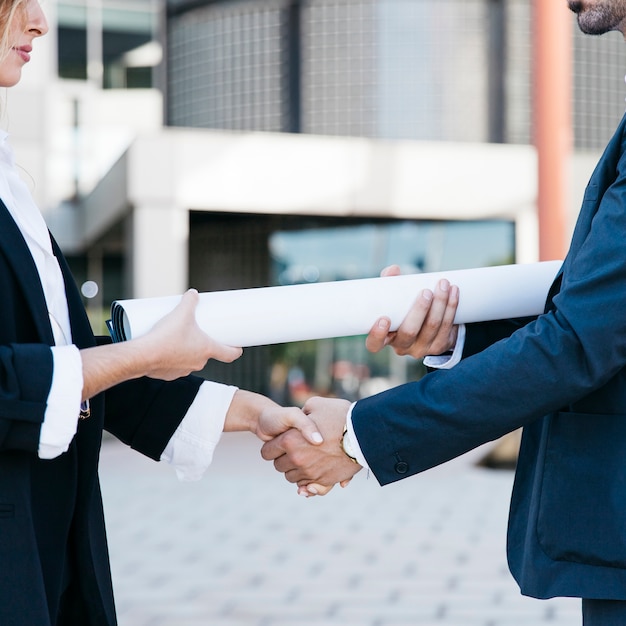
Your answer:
<point x="239" y="548"/>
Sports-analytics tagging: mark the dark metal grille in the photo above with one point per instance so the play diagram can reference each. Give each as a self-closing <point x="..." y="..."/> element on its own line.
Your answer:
<point x="225" y="67"/>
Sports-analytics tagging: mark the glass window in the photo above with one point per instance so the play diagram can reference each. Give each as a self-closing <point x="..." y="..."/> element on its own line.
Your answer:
<point x="111" y="42"/>
<point x="72" y="38"/>
<point x="343" y="367"/>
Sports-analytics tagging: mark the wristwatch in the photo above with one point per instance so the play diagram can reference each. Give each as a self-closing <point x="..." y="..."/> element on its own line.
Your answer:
<point x="346" y="445"/>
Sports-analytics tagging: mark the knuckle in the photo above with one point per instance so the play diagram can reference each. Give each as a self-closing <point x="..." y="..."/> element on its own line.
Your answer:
<point x="290" y="438"/>
<point x="298" y="458"/>
<point x="432" y="325"/>
<point x="401" y="350"/>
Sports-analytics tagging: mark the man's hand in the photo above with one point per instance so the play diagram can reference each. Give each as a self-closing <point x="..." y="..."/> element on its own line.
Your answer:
<point x="315" y="468"/>
<point x="428" y="328"/>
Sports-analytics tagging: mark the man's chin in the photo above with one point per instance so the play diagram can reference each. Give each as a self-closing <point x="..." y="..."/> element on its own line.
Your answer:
<point x="576" y="6"/>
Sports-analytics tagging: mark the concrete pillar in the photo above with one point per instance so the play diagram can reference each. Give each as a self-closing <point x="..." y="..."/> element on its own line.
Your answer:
<point x="552" y="70"/>
<point x="160" y="250"/>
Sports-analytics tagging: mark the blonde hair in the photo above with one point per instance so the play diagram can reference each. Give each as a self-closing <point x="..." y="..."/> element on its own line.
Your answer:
<point x="10" y="10"/>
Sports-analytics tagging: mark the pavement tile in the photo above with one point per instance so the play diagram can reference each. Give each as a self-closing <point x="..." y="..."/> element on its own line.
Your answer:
<point x="240" y="548"/>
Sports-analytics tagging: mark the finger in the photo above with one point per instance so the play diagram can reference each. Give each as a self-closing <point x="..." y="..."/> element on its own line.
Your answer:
<point x="437" y="310"/>
<point x="219" y="351"/>
<point x="273" y="448"/>
<point x="186" y="308"/>
<point x="190" y="299"/>
<point x="391" y="270"/>
<point x="285" y="466"/>
<point x="344" y="483"/>
<point x="435" y="334"/>
<point x="304" y="492"/>
<point x="424" y="320"/>
<point x="446" y="337"/>
<point x="451" y="306"/>
<point x="303" y="423"/>
<point x="294" y="475"/>
<point x="315" y="489"/>
<point x="378" y="336"/>
<point x="413" y="323"/>
<point x="224" y="353"/>
<point x="311" y="405"/>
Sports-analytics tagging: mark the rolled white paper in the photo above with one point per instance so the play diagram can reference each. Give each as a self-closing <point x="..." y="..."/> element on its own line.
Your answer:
<point x="268" y="315"/>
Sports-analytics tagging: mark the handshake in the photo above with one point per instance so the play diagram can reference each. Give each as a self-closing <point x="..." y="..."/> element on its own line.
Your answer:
<point x="312" y="446"/>
<point x="305" y="444"/>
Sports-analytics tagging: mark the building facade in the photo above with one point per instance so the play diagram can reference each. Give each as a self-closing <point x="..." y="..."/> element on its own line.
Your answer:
<point x="451" y="70"/>
<point x="300" y="124"/>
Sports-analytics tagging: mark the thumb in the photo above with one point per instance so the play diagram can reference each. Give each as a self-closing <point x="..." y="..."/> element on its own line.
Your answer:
<point x="306" y="425"/>
<point x="219" y="351"/>
<point x="190" y="300"/>
<point x="391" y="270"/>
<point x="225" y="354"/>
<point x="313" y="489"/>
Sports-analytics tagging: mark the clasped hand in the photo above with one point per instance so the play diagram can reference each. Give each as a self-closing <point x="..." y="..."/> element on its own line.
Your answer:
<point x="314" y="468"/>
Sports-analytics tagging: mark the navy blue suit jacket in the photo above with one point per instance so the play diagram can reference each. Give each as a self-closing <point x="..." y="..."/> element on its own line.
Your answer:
<point x="51" y="519"/>
<point x="562" y="377"/>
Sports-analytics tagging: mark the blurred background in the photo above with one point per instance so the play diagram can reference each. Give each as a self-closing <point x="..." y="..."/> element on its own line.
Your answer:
<point x="228" y="144"/>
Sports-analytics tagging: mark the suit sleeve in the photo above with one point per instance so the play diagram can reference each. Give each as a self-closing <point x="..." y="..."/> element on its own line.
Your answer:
<point x="575" y="351"/>
<point x="483" y="334"/>
<point x="144" y="413"/>
<point x="25" y="378"/>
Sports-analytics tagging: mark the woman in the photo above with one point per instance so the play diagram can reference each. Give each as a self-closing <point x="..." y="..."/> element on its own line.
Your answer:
<point x="59" y="387"/>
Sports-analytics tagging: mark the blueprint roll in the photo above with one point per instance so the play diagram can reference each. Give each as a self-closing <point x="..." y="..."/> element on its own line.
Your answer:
<point x="270" y="315"/>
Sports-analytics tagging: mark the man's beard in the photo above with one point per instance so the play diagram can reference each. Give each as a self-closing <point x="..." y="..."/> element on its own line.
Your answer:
<point x="598" y="19"/>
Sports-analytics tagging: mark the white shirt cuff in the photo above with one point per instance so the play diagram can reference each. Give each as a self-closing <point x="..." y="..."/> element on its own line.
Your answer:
<point x="190" y="450"/>
<point x="61" y="416"/>
<point x="448" y="361"/>
<point x="445" y="361"/>
<point x="354" y="443"/>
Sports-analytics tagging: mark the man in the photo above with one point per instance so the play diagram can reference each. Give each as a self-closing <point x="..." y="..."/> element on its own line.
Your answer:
<point x="562" y="376"/>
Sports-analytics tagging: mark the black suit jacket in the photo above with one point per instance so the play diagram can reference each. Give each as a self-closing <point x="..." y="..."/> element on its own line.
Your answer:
<point x="563" y="377"/>
<point x="51" y="519"/>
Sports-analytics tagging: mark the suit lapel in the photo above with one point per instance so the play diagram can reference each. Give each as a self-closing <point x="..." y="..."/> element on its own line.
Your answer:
<point x="16" y="250"/>
<point x="601" y="179"/>
<point x="82" y="334"/>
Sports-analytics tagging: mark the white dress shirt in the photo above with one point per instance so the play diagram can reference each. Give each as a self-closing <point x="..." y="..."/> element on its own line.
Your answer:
<point x="191" y="448"/>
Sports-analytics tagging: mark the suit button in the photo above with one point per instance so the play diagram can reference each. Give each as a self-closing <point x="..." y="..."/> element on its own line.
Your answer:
<point x="402" y="467"/>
